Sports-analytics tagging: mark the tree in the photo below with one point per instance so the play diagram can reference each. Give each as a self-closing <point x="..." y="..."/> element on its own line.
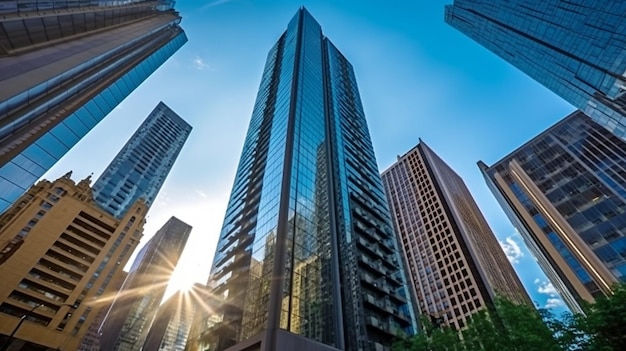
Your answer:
<point x="606" y="322"/>
<point x="507" y="326"/>
<point x="433" y="337"/>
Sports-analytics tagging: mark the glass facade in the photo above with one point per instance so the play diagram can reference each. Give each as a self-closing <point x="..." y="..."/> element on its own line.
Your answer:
<point x="566" y="192"/>
<point x="575" y="49"/>
<point x="132" y="313"/>
<point x="307" y="245"/>
<point x="22" y="6"/>
<point x="53" y="95"/>
<point x="141" y="167"/>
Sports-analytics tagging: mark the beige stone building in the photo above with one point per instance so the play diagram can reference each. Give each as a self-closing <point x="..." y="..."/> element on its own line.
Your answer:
<point x="59" y="253"/>
<point x="454" y="260"/>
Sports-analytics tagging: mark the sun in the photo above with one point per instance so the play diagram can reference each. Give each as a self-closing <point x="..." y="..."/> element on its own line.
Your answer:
<point x="180" y="281"/>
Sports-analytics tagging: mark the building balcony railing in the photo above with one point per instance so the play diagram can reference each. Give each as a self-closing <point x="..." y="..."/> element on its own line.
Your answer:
<point x="382" y="325"/>
<point x="375" y="266"/>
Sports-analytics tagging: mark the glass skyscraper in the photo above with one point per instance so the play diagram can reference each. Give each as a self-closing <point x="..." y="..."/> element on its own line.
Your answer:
<point x="455" y="262"/>
<point x="64" y="65"/>
<point x="574" y="48"/>
<point x="129" y="318"/>
<point x="141" y="167"/>
<point x="307" y="256"/>
<point x="565" y="191"/>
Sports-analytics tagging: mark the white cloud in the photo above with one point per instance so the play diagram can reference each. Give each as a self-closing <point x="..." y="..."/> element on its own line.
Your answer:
<point x="199" y="63"/>
<point x="547" y="288"/>
<point x="554" y="302"/>
<point x="512" y="250"/>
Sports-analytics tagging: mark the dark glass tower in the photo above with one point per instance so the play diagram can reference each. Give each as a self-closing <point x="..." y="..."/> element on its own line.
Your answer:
<point x="141" y="167"/>
<point x="307" y="256"/>
<point x="565" y="191"/>
<point x="64" y="65"/>
<point x="455" y="262"/>
<point x="574" y="48"/>
<point x="129" y="319"/>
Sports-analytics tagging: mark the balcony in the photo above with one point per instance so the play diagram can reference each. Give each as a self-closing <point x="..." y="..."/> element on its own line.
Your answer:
<point x="378" y="284"/>
<point x="381" y="303"/>
<point x="375" y="266"/>
<point x="371" y="248"/>
<point x="382" y="326"/>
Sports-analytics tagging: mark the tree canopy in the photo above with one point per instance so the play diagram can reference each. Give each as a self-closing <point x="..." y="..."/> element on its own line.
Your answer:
<point x="508" y="326"/>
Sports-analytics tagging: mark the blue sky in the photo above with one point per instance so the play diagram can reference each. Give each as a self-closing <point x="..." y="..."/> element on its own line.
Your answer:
<point x="418" y="78"/>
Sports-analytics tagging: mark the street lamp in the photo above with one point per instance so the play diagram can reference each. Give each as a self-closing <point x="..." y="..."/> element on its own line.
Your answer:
<point x="10" y="339"/>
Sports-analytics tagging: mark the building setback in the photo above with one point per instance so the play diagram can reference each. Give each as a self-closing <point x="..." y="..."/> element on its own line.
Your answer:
<point x="129" y="319"/>
<point x="307" y="258"/>
<point x="141" y="167"/>
<point x="455" y="261"/>
<point x="565" y="192"/>
<point x="574" y="48"/>
<point x="59" y="254"/>
<point x="64" y="65"/>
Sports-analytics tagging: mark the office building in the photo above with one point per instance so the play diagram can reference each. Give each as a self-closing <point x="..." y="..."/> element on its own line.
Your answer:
<point x="140" y="168"/>
<point x="129" y="319"/>
<point x="172" y="323"/>
<point x="307" y="258"/>
<point x="59" y="255"/>
<point x="454" y="260"/>
<point x="64" y="65"/>
<point x="565" y="192"/>
<point x="574" y="48"/>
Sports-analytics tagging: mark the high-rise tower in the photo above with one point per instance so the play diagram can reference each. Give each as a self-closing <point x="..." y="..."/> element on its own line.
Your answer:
<point x="140" y="168"/>
<point x="60" y="255"/>
<point x="574" y="48"/>
<point x="128" y="321"/>
<point x="307" y="256"/>
<point x="565" y="192"/>
<point x="64" y="65"/>
<point x="455" y="261"/>
<point x="172" y="323"/>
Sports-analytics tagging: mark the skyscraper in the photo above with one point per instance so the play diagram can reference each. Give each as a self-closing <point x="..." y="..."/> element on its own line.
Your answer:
<point x="565" y="192"/>
<point x="307" y="256"/>
<point x="173" y="320"/>
<point x="140" y="168"/>
<point x="455" y="261"/>
<point x="91" y="340"/>
<point x="60" y="255"/>
<point x="129" y="318"/>
<point x="64" y="65"/>
<point x="574" y="48"/>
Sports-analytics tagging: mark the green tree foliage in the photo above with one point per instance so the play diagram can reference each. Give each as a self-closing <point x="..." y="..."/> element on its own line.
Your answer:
<point x="513" y="327"/>
<point x="606" y="322"/>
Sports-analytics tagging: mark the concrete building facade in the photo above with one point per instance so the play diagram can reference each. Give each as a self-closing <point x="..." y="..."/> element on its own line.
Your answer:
<point x="59" y="254"/>
<point x="455" y="262"/>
